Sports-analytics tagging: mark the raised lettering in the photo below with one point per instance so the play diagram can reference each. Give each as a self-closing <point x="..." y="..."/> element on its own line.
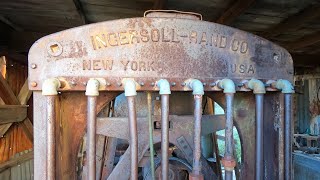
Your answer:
<point x="174" y="37"/>
<point x="125" y="64"/>
<point x="134" y="65"/>
<point x="193" y="37"/>
<point x="123" y="38"/>
<point x="155" y="35"/>
<point x="142" y="66"/>
<point x="150" y="66"/>
<point x="86" y="65"/>
<point x="244" y="47"/>
<point x="112" y="39"/>
<point x="107" y="64"/>
<point x="101" y="41"/>
<point x="163" y="36"/>
<point x="144" y="34"/>
<point x="203" y="39"/>
<point x="251" y="70"/>
<point x="223" y="42"/>
<point x="242" y="68"/>
<point x="134" y="36"/>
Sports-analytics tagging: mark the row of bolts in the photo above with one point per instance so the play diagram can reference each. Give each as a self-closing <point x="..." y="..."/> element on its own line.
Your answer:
<point x="50" y="87"/>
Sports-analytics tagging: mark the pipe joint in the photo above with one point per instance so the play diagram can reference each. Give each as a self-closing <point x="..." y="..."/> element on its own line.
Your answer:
<point x="196" y="86"/>
<point x="284" y="85"/>
<point x="130" y="88"/>
<point x="92" y="88"/>
<point x="257" y="86"/>
<point x="229" y="163"/>
<point x="50" y="87"/>
<point x="227" y="85"/>
<point x="164" y="86"/>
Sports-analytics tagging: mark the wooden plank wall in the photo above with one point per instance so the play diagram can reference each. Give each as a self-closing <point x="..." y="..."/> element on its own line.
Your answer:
<point x="14" y="140"/>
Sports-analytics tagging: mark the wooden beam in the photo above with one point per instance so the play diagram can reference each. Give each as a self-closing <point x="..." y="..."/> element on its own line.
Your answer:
<point x="15" y="56"/>
<point x="16" y="161"/>
<point x="304" y="60"/>
<point x="305" y="41"/>
<point x="27" y="127"/>
<point x="24" y="94"/>
<point x="234" y="11"/>
<point x="6" y="93"/>
<point x="80" y="11"/>
<point x="159" y="4"/>
<point x="295" y="21"/>
<point x="11" y="24"/>
<point x="12" y="113"/>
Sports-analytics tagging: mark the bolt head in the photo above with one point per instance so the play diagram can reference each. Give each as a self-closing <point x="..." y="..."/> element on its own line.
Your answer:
<point x="33" y="84"/>
<point x="33" y="66"/>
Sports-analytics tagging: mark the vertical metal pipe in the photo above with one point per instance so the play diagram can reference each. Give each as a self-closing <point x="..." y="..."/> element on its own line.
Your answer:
<point x="229" y="135"/>
<point x="51" y="143"/>
<point x="91" y="137"/>
<point x="151" y="135"/>
<point x="197" y="134"/>
<point x="165" y="136"/>
<point x="287" y="136"/>
<point x="259" y="136"/>
<point x="133" y="137"/>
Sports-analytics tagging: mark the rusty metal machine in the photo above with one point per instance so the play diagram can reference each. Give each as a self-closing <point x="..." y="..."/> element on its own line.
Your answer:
<point x="75" y="73"/>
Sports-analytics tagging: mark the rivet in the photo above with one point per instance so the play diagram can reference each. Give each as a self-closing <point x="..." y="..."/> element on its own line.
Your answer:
<point x="119" y="84"/>
<point x="73" y="83"/>
<point x="240" y="84"/>
<point x="141" y="83"/>
<point x="108" y="84"/>
<point x="173" y="84"/>
<point x="204" y="84"/>
<point x="33" y="66"/>
<point x="212" y="84"/>
<point x="152" y="84"/>
<point x="84" y="83"/>
<point x="183" y="84"/>
<point x="33" y="84"/>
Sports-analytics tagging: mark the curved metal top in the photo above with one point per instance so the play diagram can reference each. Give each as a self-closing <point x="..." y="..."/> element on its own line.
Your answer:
<point x="148" y="49"/>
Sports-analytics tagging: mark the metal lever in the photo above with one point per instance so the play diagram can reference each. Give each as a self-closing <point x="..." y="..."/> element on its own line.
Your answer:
<point x="198" y="92"/>
<point x="228" y="160"/>
<point x="49" y="89"/>
<point x="287" y="89"/>
<point x="130" y="92"/>
<point x="164" y="87"/>
<point x="259" y="90"/>
<point x="92" y="91"/>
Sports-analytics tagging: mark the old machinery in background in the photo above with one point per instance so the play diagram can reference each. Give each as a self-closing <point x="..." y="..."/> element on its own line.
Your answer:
<point x="180" y="59"/>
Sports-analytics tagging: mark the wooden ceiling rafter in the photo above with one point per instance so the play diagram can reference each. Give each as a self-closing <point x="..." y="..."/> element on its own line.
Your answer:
<point x="81" y="12"/>
<point x="159" y="4"/>
<point x="235" y="10"/>
<point x="305" y="41"/>
<point x="10" y="23"/>
<point x="294" y="22"/>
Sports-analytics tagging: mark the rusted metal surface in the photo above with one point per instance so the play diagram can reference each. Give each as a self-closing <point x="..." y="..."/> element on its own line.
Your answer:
<point x="51" y="127"/>
<point x="259" y="136"/>
<point x="146" y="50"/>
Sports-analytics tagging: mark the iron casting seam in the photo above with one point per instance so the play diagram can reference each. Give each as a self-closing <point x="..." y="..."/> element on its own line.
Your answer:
<point x="164" y="91"/>
<point x="92" y="91"/>
<point x="151" y="135"/>
<point x="49" y="89"/>
<point x="130" y="92"/>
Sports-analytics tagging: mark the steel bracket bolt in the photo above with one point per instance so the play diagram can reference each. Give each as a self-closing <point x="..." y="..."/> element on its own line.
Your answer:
<point x="33" y="84"/>
<point x="141" y="83"/>
<point x="173" y="84"/>
<point x="212" y="84"/>
<point x="33" y="66"/>
<point x="108" y="84"/>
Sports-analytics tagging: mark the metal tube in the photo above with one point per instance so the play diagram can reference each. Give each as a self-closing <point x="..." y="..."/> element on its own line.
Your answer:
<point x="287" y="136"/>
<point x="151" y="135"/>
<point x="197" y="134"/>
<point x="164" y="136"/>
<point x="91" y="137"/>
<point x="259" y="136"/>
<point x="51" y="143"/>
<point x="133" y="137"/>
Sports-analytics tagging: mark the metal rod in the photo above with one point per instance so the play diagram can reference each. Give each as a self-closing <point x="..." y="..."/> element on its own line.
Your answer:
<point x="229" y="134"/>
<point x="197" y="134"/>
<point x="91" y="137"/>
<point x="287" y="136"/>
<point x="133" y="137"/>
<point x="259" y="136"/>
<point x="51" y="143"/>
<point x="165" y="136"/>
<point x="151" y="135"/>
